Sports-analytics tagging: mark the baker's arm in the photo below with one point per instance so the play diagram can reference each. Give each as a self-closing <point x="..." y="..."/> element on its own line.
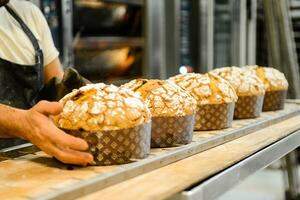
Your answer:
<point x="36" y="126"/>
<point x="53" y="69"/>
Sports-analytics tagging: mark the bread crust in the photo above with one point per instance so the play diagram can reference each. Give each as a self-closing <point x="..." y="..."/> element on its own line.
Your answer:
<point x="273" y="79"/>
<point x="206" y="88"/>
<point x="163" y="97"/>
<point x="244" y="83"/>
<point x="101" y="107"/>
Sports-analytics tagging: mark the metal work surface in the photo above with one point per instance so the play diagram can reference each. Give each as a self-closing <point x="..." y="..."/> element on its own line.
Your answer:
<point x="62" y="184"/>
<point x="17" y="151"/>
<point x="224" y="181"/>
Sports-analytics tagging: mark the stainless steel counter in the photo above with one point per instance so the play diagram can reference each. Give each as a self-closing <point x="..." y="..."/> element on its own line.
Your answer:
<point x="227" y="179"/>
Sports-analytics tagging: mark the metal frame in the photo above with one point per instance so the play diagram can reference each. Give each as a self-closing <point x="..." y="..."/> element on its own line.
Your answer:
<point x="291" y="176"/>
<point x="281" y="43"/>
<point x="251" y="32"/>
<point x="206" y="35"/>
<point x="155" y="34"/>
<point x="67" y="28"/>
<point x="222" y="34"/>
<point x="224" y="181"/>
<point x="238" y="32"/>
<point x="172" y="39"/>
<point x="242" y="38"/>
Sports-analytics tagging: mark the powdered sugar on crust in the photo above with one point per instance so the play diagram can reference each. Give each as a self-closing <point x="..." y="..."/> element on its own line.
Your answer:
<point x="272" y="78"/>
<point x="102" y="107"/>
<point x="164" y="98"/>
<point x="206" y="88"/>
<point x="243" y="82"/>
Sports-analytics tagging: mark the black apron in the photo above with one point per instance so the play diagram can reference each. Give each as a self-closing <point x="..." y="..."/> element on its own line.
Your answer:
<point x="20" y="84"/>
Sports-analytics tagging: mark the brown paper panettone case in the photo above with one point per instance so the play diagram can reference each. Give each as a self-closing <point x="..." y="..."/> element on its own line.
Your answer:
<point x="172" y="108"/>
<point x="274" y="100"/>
<point x="214" y="116"/>
<point x="275" y="83"/>
<point x="114" y="121"/>
<point x="117" y="146"/>
<point x="248" y="107"/>
<point x="172" y="131"/>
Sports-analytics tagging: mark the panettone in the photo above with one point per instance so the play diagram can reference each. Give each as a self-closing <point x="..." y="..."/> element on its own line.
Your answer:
<point x="249" y="89"/>
<point x="244" y="83"/>
<point x="215" y="98"/>
<point x="102" y="107"/>
<point x="115" y="122"/>
<point x="275" y="84"/>
<point x="164" y="98"/>
<point x="172" y="108"/>
<point x="206" y="88"/>
<point x="273" y="79"/>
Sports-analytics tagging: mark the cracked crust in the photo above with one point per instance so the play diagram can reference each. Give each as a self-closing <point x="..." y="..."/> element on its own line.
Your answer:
<point x="206" y="88"/>
<point x="272" y="79"/>
<point x="244" y="83"/>
<point x="164" y="98"/>
<point x="102" y="107"/>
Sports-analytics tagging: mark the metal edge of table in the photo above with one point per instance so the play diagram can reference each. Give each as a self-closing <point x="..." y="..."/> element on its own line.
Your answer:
<point x="294" y="101"/>
<point x="134" y="169"/>
<point x="225" y="180"/>
<point x="17" y="151"/>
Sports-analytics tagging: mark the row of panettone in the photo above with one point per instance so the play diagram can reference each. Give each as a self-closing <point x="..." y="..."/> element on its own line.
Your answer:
<point x="120" y="124"/>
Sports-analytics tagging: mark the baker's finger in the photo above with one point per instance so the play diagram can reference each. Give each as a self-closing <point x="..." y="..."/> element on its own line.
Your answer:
<point x="48" y="108"/>
<point x="65" y="140"/>
<point x="67" y="156"/>
<point x="70" y="156"/>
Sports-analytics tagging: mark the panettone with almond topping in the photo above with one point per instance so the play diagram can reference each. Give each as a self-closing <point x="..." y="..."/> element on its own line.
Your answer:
<point x="273" y="79"/>
<point x="164" y="98"/>
<point x="206" y="88"/>
<point x="172" y="108"/>
<point x="276" y="86"/>
<point x="215" y="98"/>
<point x="249" y="89"/>
<point x="102" y="107"/>
<point x="114" y="121"/>
<point x="245" y="84"/>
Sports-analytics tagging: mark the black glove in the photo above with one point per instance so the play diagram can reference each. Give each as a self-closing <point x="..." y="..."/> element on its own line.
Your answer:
<point x="55" y="88"/>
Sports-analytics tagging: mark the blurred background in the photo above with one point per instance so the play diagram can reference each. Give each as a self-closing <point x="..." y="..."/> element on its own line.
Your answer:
<point x="118" y="40"/>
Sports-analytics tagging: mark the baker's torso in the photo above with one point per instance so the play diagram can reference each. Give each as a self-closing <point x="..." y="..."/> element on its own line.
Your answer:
<point x="15" y="46"/>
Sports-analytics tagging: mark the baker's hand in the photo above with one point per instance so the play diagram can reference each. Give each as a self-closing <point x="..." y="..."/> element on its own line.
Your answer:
<point x="55" y="88"/>
<point x="41" y="131"/>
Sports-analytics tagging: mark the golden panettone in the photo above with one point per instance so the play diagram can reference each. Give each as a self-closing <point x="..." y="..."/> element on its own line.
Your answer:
<point x="244" y="83"/>
<point x="206" y="88"/>
<point x="164" y="98"/>
<point x="101" y="107"/>
<point x="272" y="79"/>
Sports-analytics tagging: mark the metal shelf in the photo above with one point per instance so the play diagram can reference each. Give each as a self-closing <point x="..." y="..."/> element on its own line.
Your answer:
<point x="92" y="43"/>
<point x="295" y="14"/>
<point x="224" y="181"/>
<point x="131" y="2"/>
<point x="294" y="4"/>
